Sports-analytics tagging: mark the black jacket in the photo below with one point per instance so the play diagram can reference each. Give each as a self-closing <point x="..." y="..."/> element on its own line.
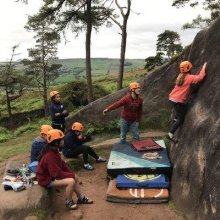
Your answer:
<point x="58" y="108"/>
<point x="72" y="141"/>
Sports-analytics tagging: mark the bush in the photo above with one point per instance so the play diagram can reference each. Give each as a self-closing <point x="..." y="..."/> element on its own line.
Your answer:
<point x="5" y="134"/>
<point x="74" y="94"/>
<point x="26" y="129"/>
<point x="97" y="129"/>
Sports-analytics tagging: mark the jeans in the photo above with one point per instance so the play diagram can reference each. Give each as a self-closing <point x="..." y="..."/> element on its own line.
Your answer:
<point x="125" y="126"/>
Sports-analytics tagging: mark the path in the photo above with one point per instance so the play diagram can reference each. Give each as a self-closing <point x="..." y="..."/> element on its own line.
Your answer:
<point x="94" y="185"/>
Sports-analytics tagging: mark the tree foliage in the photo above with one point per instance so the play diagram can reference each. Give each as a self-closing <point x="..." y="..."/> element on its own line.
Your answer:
<point x="41" y="64"/>
<point x="154" y="61"/>
<point x="12" y="81"/>
<point x="168" y="47"/>
<point x="213" y="6"/>
<point x="77" y="15"/>
<point x="168" y="43"/>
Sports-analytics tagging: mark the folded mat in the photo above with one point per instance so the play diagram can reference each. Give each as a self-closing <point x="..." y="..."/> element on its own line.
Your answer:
<point x="133" y="195"/>
<point x="142" y="181"/>
<point x="146" y="145"/>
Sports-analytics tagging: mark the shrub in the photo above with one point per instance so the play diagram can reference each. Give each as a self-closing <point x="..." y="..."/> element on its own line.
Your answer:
<point x="26" y="129"/>
<point x="5" y="134"/>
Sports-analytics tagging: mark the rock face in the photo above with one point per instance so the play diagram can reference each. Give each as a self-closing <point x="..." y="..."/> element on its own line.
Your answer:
<point x="196" y="159"/>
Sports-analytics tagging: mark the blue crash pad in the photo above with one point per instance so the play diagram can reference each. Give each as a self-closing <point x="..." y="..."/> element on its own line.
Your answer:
<point x="142" y="181"/>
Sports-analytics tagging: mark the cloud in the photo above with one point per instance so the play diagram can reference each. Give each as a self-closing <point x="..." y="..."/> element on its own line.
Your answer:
<point x="155" y="16"/>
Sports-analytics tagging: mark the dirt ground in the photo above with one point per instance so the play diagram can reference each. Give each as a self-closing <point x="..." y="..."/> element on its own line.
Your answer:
<point x="94" y="185"/>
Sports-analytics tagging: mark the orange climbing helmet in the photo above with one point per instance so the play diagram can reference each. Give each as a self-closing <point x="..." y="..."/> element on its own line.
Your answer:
<point x="45" y="128"/>
<point x="54" y="134"/>
<point x="77" y="126"/>
<point x="133" y="86"/>
<point x="53" y="93"/>
<point x="185" y="66"/>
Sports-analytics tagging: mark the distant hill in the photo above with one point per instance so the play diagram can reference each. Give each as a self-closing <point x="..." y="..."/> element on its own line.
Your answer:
<point x="75" y="68"/>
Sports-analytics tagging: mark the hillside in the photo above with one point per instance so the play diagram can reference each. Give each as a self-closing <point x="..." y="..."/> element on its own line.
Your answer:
<point x="72" y="72"/>
<point x="74" y="69"/>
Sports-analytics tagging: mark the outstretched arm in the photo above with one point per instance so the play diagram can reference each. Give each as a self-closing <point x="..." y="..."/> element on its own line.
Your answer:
<point x="198" y="78"/>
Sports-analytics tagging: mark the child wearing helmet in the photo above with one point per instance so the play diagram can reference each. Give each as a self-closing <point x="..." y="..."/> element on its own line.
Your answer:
<point x="39" y="142"/>
<point x="131" y="112"/>
<point x="52" y="171"/>
<point x="74" y="145"/>
<point x="57" y="111"/>
<point x="180" y="94"/>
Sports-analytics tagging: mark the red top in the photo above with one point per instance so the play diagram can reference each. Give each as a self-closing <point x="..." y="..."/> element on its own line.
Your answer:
<point x="132" y="110"/>
<point x="182" y="93"/>
<point x="51" y="166"/>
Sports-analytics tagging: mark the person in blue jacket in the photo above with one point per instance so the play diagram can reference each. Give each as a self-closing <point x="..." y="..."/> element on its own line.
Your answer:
<point x="39" y="142"/>
<point x="57" y="111"/>
<point x="74" y="145"/>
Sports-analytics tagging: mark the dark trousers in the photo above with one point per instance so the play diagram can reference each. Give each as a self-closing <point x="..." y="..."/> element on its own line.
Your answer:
<point x="82" y="149"/>
<point x="58" y="126"/>
<point x="180" y="113"/>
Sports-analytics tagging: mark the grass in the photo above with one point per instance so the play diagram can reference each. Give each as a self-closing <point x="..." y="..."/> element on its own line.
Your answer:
<point x="74" y="69"/>
<point x="41" y="214"/>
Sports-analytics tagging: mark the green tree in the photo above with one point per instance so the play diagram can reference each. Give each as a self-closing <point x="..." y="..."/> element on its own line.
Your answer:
<point x="168" y="43"/>
<point x="78" y="15"/>
<point x="125" y="12"/>
<point x="213" y="6"/>
<point x="154" y="61"/>
<point x="12" y="82"/>
<point x="41" y="63"/>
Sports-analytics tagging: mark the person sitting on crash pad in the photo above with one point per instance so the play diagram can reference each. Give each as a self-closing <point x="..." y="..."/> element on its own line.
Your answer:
<point x="74" y="145"/>
<point x="180" y="94"/>
<point x="131" y="112"/>
<point x="57" y="111"/>
<point x="39" y="142"/>
<point x="52" y="171"/>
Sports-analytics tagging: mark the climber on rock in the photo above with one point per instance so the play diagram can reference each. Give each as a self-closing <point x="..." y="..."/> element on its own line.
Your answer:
<point x="180" y="94"/>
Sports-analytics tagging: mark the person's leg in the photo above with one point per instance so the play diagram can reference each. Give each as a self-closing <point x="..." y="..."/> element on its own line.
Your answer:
<point x="85" y="151"/>
<point x="180" y="113"/>
<point x="91" y="152"/>
<point x="82" y="199"/>
<point x="68" y="183"/>
<point x="123" y="130"/>
<point x="134" y="130"/>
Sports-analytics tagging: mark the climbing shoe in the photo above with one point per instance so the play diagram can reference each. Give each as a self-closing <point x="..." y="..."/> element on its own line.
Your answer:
<point x="88" y="167"/>
<point x="175" y="141"/>
<point x="84" y="200"/>
<point x="70" y="204"/>
<point x="100" y="160"/>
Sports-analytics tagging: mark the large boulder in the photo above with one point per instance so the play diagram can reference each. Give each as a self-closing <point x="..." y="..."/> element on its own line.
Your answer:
<point x="18" y="204"/>
<point x="196" y="176"/>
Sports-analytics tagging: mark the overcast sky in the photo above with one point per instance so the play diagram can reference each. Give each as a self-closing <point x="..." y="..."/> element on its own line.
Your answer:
<point x="155" y="17"/>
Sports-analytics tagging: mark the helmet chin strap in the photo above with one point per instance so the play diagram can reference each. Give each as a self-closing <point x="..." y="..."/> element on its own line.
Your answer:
<point x="134" y="93"/>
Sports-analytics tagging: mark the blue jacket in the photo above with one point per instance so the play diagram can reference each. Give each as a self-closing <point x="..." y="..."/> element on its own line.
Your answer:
<point x="37" y="146"/>
<point x="58" y="108"/>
